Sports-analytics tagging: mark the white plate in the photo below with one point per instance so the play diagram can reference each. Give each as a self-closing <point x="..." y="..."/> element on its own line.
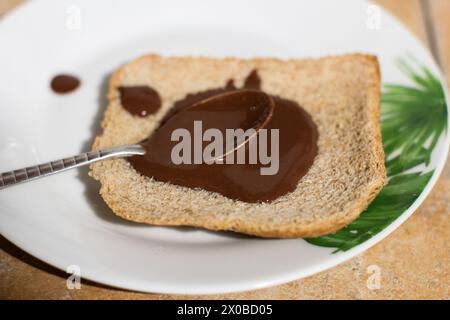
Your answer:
<point x="62" y="220"/>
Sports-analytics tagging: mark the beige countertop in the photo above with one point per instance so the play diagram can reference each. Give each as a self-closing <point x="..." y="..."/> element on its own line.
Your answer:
<point x="414" y="260"/>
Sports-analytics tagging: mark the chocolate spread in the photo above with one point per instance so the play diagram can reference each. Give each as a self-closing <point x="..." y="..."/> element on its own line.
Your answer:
<point x="64" y="83"/>
<point x="140" y="100"/>
<point x="248" y="107"/>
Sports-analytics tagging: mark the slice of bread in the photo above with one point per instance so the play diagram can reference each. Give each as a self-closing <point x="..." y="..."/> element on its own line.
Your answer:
<point x="340" y="93"/>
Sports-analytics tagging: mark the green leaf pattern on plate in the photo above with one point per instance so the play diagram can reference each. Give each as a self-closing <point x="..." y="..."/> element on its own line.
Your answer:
<point x="413" y="118"/>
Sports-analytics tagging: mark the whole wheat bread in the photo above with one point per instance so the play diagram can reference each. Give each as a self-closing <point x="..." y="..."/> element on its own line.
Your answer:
<point x="341" y="94"/>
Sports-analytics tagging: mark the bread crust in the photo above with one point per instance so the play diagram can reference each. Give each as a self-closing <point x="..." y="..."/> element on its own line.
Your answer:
<point x="316" y="207"/>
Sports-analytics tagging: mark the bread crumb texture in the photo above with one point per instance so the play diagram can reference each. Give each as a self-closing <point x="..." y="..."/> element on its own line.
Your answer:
<point x="341" y="94"/>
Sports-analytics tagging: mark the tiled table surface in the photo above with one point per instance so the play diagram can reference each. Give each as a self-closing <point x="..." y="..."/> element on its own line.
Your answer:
<point x="414" y="260"/>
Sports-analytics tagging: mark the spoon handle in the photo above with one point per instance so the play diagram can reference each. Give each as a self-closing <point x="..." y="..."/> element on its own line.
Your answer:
<point x="10" y="178"/>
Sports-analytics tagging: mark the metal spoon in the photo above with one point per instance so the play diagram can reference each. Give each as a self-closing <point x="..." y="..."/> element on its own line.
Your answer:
<point x="11" y="178"/>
